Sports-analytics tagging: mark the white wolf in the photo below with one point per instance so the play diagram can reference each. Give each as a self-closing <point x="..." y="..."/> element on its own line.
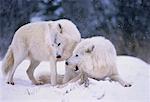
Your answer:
<point x="93" y="57"/>
<point x="41" y="41"/>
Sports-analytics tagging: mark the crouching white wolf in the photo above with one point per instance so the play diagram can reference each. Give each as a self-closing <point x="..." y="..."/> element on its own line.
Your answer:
<point x="93" y="57"/>
<point x="41" y="41"/>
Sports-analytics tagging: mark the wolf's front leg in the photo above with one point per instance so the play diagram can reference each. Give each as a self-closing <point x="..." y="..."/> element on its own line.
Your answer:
<point x="53" y="69"/>
<point x="84" y="79"/>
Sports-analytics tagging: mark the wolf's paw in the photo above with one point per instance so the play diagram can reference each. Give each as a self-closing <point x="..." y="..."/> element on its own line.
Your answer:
<point x="86" y="83"/>
<point x="11" y="83"/>
<point x="38" y="83"/>
<point x="127" y="85"/>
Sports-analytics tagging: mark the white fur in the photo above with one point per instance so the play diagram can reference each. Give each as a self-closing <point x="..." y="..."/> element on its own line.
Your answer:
<point x="39" y="42"/>
<point x="96" y="58"/>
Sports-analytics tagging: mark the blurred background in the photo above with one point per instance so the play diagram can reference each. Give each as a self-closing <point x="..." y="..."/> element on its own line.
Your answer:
<point x="125" y="22"/>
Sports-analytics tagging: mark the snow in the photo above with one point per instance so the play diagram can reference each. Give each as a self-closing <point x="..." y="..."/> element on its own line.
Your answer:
<point x="132" y="69"/>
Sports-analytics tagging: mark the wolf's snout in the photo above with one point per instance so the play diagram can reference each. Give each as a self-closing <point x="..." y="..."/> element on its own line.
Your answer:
<point x="66" y="63"/>
<point x="58" y="56"/>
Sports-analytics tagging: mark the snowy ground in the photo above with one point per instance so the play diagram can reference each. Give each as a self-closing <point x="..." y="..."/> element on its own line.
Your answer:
<point x="131" y="69"/>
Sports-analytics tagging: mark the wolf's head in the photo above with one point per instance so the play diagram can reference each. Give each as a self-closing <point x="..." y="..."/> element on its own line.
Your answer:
<point x="56" y="38"/>
<point x="64" y="38"/>
<point x="80" y="54"/>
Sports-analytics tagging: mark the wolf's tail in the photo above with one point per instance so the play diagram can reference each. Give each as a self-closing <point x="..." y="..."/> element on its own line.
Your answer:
<point x="8" y="62"/>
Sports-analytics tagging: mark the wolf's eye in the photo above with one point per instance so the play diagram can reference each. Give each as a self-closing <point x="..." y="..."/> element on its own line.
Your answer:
<point x="77" y="55"/>
<point x="59" y="44"/>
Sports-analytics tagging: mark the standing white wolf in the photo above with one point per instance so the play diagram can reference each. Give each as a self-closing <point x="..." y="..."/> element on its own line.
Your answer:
<point x="93" y="57"/>
<point x="41" y="41"/>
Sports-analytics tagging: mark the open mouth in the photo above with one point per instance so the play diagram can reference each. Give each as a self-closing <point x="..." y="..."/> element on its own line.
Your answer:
<point x="58" y="56"/>
<point x="76" y="68"/>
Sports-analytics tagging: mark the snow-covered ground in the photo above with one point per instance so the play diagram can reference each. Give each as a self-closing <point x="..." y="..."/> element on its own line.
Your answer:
<point x="131" y="69"/>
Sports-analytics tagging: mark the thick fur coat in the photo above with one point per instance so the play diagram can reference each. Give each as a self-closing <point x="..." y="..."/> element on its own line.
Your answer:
<point x="96" y="58"/>
<point x="41" y="41"/>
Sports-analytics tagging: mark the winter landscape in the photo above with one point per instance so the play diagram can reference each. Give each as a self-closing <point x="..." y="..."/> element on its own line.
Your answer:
<point x="132" y="69"/>
<point x="126" y="23"/>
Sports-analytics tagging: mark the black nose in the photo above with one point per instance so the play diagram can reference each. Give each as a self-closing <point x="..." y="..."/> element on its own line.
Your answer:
<point x="67" y="63"/>
<point x="58" y="56"/>
<point x="76" y="68"/>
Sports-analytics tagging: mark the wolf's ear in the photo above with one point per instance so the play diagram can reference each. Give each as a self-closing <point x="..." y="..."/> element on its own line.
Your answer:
<point x="90" y="49"/>
<point x="60" y="28"/>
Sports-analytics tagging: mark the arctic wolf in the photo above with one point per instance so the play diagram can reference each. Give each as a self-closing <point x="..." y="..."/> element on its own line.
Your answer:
<point x="41" y="41"/>
<point x="93" y="57"/>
